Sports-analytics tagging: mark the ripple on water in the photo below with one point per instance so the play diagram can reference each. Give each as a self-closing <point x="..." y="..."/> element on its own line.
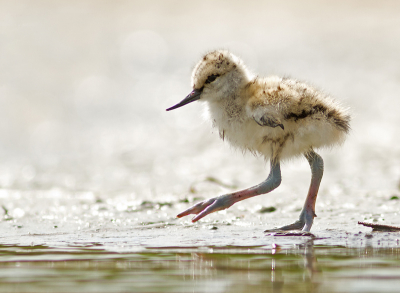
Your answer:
<point x="89" y="267"/>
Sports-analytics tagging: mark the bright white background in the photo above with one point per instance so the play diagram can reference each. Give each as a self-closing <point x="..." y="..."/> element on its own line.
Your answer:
<point x="85" y="139"/>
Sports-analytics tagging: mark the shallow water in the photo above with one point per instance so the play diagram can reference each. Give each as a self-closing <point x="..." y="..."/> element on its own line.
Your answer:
<point x="303" y="268"/>
<point x="93" y="171"/>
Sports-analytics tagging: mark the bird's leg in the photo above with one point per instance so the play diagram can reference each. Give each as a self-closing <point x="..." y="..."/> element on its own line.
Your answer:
<point x="308" y="212"/>
<point x="222" y="202"/>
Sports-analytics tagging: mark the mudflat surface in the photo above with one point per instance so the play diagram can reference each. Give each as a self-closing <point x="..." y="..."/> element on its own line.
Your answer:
<point x="89" y="157"/>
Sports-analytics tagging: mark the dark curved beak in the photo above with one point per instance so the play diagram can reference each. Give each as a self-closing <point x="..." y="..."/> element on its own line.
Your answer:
<point x="193" y="96"/>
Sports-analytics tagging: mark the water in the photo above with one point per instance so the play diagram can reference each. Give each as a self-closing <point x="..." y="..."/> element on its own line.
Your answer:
<point x="304" y="268"/>
<point x="93" y="171"/>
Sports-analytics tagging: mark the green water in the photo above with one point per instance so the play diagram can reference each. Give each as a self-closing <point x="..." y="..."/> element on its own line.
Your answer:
<point x="199" y="269"/>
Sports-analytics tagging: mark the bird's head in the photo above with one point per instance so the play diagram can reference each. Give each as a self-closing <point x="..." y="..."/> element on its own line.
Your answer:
<point x="218" y="75"/>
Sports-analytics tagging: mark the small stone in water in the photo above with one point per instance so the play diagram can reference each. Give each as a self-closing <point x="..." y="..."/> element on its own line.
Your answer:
<point x="267" y="210"/>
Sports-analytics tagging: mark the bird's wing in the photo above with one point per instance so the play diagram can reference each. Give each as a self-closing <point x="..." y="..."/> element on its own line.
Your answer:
<point x="267" y="120"/>
<point x="265" y="116"/>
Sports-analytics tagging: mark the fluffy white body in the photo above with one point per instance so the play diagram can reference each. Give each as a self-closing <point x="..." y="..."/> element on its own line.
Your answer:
<point x="277" y="118"/>
<point x="237" y="102"/>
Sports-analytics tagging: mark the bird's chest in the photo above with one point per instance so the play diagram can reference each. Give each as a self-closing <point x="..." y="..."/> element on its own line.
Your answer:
<point x="241" y="131"/>
<point x="233" y="124"/>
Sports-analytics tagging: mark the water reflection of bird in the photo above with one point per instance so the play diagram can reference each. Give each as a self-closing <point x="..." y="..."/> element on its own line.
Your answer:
<point x="277" y="118"/>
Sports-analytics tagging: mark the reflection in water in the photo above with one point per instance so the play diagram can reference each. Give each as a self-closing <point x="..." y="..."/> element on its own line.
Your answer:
<point x="310" y="271"/>
<point x="199" y="269"/>
<point x="310" y="262"/>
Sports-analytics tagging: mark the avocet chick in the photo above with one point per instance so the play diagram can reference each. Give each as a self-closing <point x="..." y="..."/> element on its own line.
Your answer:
<point x="277" y="118"/>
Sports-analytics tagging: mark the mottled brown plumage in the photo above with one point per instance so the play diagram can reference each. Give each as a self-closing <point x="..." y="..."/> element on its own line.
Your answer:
<point x="277" y="118"/>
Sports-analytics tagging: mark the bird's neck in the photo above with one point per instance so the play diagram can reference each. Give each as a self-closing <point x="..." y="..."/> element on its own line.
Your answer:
<point x="227" y="113"/>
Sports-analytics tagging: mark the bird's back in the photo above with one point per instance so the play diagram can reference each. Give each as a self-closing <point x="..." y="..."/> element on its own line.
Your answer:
<point x="308" y="118"/>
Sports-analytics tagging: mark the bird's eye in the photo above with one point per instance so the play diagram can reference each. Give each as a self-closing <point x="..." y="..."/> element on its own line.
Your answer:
<point x="211" y="78"/>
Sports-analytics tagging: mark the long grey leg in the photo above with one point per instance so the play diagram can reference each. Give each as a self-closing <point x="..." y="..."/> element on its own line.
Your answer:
<point x="308" y="212"/>
<point x="222" y="202"/>
<point x="317" y="170"/>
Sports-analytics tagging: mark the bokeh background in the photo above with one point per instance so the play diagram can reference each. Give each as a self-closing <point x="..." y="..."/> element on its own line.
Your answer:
<point x="85" y="139"/>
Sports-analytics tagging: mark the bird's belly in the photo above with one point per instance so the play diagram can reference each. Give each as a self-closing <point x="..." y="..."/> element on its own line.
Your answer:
<point x="249" y="136"/>
<point x="294" y="140"/>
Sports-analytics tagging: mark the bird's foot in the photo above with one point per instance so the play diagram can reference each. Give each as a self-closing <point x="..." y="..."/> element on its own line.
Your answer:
<point x="298" y="225"/>
<point x="304" y="223"/>
<point x="208" y="206"/>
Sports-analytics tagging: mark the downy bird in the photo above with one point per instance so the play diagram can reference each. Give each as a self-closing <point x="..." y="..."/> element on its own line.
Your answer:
<point x="277" y="118"/>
